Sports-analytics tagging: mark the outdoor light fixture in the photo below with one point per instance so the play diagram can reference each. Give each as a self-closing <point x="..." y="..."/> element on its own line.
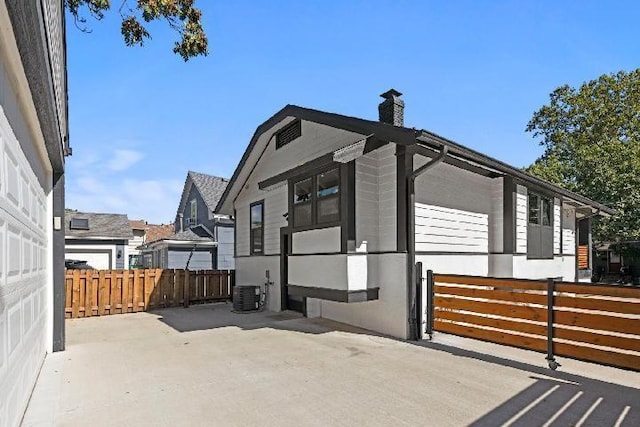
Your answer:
<point x="119" y="254"/>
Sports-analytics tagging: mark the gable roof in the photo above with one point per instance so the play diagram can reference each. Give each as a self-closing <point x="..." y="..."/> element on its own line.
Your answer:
<point x="388" y="133"/>
<point x="101" y="225"/>
<point x="210" y="188"/>
<point x="155" y="232"/>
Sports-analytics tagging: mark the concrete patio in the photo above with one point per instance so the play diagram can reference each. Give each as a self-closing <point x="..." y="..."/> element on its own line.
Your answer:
<point x="208" y="366"/>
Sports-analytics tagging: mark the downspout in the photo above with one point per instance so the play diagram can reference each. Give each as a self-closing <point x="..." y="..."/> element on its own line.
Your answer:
<point x="413" y="306"/>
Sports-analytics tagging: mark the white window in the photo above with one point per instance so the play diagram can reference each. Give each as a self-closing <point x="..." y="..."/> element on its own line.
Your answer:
<point x="194" y="212"/>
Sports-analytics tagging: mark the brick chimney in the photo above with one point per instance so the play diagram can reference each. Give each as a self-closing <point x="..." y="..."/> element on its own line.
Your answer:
<point x="391" y="110"/>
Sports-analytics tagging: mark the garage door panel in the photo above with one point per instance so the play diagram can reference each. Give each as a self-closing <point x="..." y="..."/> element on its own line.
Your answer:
<point x="97" y="260"/>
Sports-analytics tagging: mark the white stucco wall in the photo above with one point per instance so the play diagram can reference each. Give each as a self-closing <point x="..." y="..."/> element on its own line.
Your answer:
<point x="323" y="240"/>
<point x="387" y="314"/>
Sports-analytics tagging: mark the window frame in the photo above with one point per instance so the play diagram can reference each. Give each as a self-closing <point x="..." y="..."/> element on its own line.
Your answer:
<point x="252" y="251"/>
<point x="539" y="227"/>
<point x="315" y="223"/>
<point x="193" y="212"/>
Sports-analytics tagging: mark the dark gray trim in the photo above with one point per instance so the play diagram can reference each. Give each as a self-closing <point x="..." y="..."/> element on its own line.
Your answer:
<point x="338" y="295"/>
<point x="58" y="246"/>
<point x="235" y="235"/>
<point x="453" y="253"/>
<point x="256" y="255"/>
<point x="427" y="152"/>
<point x="311" y="167"/>
<point x="508" y="216"/>
<point x="72" y="242"/>
<point x="404" y="167"/>
<point x="348" y="207"/>
<point x="285" y="249"/>
<point x="27" y="19"/>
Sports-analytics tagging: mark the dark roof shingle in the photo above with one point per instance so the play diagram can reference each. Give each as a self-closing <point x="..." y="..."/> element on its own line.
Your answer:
<point x="210" y="187"/>
<point x="115" y="226"/>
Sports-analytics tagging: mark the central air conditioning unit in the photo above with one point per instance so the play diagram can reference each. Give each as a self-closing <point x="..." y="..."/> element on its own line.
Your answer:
<point x="246" y="298"/>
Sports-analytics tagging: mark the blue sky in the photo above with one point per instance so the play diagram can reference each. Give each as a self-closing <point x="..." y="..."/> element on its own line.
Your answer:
<point x="473" y="71"/>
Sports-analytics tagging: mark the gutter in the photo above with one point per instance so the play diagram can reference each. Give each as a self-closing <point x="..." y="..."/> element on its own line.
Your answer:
<point x="413" y="306"/>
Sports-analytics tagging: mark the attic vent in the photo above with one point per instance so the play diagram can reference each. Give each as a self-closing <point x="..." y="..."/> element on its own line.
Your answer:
<point x="288" y="134"/>
<point x="79" y="224"/>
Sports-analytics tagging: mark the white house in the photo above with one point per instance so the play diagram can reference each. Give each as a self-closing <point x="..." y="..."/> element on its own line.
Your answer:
<point x="100" y="239"/>
<point x="33" y="144"/>
<point x="339" y="210"/>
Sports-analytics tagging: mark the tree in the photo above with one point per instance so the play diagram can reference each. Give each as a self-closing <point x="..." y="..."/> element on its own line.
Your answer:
<point x="591" y="137"/>
<point x="181" y="16"/>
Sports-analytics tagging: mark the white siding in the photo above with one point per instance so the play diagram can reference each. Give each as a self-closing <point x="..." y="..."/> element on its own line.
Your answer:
<point x="452" y="210"/>
<point x="440" y="229"/>
<point x="387" y="198"/>
<point x="521" y="219"/>
<point x="315" y="141"/>
<point x="557" y="218"/>
<point x="367" y="199"/>
<point x="568" y="230"/>
<point x="496" y="216"/>
<point x="24" y="264"/>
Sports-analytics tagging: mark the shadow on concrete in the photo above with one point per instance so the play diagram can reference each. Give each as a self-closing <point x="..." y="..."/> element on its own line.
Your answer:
<point x="557" y="398"/>
<point x="221" y="315"/>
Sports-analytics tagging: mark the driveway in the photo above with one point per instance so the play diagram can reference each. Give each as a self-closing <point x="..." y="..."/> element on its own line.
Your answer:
<point x="207" y="366"/>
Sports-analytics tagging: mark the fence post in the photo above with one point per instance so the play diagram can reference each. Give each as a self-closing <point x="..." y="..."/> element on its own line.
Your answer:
<point x="186" y="288"/>
<point x="550" y="358"/>
<point x="430" y="305"/>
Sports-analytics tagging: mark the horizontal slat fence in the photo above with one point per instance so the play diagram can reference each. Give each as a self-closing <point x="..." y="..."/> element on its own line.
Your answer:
<point x="104" y="292"/>
<point x="590" y="322"/>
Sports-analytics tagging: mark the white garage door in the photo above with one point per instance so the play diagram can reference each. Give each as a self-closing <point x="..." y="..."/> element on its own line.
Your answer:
<point x="97" y="260"/>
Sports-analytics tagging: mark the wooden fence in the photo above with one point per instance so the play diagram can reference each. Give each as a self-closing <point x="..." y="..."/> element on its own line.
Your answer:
<point x="589" y="322"/>
<point x="103" y="292"/>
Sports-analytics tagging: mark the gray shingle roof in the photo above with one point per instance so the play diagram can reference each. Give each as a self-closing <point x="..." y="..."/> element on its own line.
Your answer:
<point x="114" y="226"/>
<point x="197" y="233"/>
<point x="210" y="187"/>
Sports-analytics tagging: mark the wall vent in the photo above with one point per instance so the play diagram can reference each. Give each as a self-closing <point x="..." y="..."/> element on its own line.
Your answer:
<point x="288" y="134"/>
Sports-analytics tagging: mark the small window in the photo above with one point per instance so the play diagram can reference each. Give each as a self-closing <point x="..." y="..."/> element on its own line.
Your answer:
<point x="540" y="227"/>
<point x="328" y="205"/>
<point x="534" y="209"/>
<point x="288" y="134"/>
<point x="316" y="199"/>
<point x="302" y="203"/>
<point x="546" y="212"/>
<point x="194" y="212"/>
<point x="79" y="224"/>
<point x="256" y="234"/>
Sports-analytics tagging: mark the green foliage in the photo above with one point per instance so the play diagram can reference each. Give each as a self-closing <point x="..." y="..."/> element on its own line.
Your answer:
<point x="591" y="137"/>
<point x="180" y="15"/>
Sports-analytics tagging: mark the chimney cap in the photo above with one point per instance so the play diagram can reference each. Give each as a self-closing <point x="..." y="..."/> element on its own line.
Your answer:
<point x="390" y="94"/>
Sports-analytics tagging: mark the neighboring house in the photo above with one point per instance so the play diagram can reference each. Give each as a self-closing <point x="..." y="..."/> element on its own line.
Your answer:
<point x="338" y="210"/>
<point x="202" y="239"/>
<point x="100" y="239"/>
<point x="611" y="257"/>
<point x="33" y="144"/>
<point x="139" y="230"/>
